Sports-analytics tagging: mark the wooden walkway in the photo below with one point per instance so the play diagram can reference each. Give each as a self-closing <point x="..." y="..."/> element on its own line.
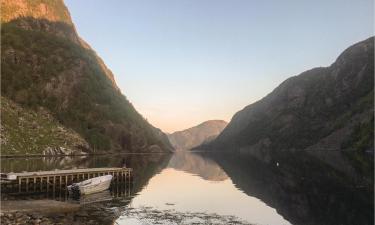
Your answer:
<point x="61" y="178"/>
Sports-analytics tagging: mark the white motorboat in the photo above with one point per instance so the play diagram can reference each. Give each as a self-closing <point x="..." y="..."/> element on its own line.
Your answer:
<point x="90" y="186"/>
<point x="7" y="177"/>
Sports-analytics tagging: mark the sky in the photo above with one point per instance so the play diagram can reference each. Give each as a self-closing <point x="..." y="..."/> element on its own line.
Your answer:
<point x="182" y="62"/>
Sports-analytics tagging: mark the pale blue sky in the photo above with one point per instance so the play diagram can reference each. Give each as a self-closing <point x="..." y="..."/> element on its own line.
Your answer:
<point x="181" y="62"/>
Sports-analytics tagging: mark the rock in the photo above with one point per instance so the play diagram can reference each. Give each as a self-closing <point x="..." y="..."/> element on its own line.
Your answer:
<point x="37" y="221"/>
<point x="82" y="214"/>
<point x="25" y="218"/>
<point x="36" y="215"/>
<point x="61" y="151"/>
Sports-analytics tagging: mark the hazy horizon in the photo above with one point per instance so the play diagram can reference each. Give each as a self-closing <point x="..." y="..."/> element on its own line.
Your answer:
<point x="181" y="63"/>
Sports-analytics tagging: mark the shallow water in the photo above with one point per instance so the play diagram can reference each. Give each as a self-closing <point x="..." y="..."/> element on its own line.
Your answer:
<point x="185" y="192"/>
<point x="186" y="188"/>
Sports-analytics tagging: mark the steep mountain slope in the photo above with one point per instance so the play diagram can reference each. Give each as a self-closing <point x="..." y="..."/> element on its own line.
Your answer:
<point x="194" y="136"/>
<point x="324" y="108"/>
<point x="46" y="64"/>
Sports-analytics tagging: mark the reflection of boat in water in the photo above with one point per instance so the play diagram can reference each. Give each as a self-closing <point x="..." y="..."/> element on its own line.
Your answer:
<point x="96" y="197"/>
<point x="90" y="186"/>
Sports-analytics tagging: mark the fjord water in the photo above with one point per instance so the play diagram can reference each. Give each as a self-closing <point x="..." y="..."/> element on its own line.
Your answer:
<point x="192" y="183"/>
<point x="275" y="190"/>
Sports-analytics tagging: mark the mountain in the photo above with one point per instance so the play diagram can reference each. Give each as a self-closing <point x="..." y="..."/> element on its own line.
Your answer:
<point x="194" y="136"/>
<point x="326" y="108"/>
<point x="46" y="65"/>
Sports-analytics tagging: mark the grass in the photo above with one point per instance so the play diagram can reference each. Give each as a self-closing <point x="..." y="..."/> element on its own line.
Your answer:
<point x="27" y="131"/>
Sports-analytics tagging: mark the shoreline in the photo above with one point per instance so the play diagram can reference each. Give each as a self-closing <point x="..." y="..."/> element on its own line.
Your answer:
<point x="45" y="206"/>
<point x="48" y="212"/>
<point x="75" y="155"/>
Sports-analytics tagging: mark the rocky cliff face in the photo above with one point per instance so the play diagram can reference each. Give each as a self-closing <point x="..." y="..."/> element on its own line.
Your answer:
<point x="192" y="137"/>
<point x="39" y="9"/>
<point x="46" y="64"/>
<point x="327" y="108"/>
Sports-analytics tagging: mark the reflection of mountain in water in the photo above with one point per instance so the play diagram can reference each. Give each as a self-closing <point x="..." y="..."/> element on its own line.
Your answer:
<point x="303" y="189"/>
<point x="196" y="164"/>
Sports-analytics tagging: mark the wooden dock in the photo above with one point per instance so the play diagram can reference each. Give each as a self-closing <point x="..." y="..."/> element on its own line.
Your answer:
<point x="44" y="180"/>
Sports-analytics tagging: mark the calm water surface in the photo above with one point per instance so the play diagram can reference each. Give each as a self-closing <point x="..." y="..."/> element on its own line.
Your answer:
<point x="275" y="191"/>
<point x="191" y="183"/>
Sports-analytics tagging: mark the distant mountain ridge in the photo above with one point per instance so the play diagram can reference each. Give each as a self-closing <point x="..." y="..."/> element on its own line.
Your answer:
<point x="194" y="136"/>
<point x="326" y="108"/>
<point x="46" y="64"/>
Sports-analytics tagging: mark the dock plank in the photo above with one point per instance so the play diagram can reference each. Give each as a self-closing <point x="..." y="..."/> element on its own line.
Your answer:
<point x="71" y="171"/>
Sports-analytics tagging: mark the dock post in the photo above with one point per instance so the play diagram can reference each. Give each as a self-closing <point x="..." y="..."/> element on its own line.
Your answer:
<point x="60" y="181"/>
<point x="54" y="184"/>
<point x="117" y="184"/>
<point x="47" y="184"/>
<point x="19" y="184"/>
<point x="34" y="184"/>
<point x="27" y="184"/>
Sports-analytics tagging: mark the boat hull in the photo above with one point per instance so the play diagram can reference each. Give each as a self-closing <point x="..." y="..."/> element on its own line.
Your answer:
<point x="90" y="189"/>
<point x="91" y="186"/>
